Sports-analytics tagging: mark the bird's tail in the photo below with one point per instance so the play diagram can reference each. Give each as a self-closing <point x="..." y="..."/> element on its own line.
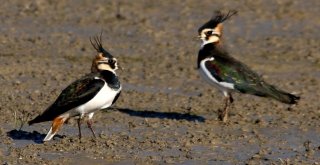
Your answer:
<point x="49" y="114"/>
<point x="282" y="96"/>
<point x="35" y="120"/>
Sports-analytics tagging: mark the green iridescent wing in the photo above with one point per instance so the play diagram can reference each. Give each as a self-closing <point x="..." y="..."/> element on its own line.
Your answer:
<point x="228" y="69"/>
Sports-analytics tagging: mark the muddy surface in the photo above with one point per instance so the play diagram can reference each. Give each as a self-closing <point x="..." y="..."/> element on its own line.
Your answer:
<point x="166" y="113"/>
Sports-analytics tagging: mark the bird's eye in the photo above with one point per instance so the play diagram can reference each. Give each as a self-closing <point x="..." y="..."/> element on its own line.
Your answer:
<point x="110" y="61"/>
<point x="208" y="33"/>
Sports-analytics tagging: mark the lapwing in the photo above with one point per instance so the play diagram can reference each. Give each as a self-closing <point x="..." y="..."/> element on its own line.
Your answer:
<point x="94" y="91"/>
<point x="228" y="74"/>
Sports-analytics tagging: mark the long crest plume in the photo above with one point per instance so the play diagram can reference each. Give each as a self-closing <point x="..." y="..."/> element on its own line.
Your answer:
<point x="97" y="44"/>
<point x="218" y="17"/>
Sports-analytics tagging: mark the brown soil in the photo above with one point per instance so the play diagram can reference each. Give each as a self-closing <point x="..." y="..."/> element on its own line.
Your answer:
<point x="166" y="113"/>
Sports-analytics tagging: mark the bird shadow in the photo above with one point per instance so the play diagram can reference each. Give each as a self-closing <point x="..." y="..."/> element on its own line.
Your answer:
<point x="25" y="135"/>
<point x="162" y="115"/>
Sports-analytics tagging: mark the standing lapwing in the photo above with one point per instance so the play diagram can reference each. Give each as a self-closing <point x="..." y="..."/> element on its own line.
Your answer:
<point x="95" y="91"/>
<point x="226" y="73"/>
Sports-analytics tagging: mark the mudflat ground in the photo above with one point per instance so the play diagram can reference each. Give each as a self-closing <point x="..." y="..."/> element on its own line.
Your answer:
<point x="166" y="113"/>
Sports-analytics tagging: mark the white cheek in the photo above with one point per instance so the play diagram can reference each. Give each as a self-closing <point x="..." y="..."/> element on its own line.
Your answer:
<point x="211" y="39"/>
<point x="104" y="67"/>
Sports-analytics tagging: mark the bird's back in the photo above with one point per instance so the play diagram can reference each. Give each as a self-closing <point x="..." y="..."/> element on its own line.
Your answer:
<point x="77" y="93"/>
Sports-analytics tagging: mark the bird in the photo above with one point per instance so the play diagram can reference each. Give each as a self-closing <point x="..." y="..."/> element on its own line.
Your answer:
<point x="97" y="90"/>
<point x="228" y="74"/>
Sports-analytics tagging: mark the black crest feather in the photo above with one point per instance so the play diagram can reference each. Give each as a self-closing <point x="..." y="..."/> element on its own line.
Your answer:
<point x="218" y="17"/>
<point x="97" y="44"/>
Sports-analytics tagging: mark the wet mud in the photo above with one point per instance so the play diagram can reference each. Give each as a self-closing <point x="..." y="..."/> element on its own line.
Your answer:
<point x="166" y="113"/>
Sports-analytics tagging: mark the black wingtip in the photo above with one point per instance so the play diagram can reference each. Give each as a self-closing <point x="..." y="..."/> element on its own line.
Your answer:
<point x="35" y="120"/>
<point x="38" y="119"/>
<point x="217" y="18"/>
<point x="31" y="122"/>
<point x="293" y="99"/>
<point x="286" y="98"/>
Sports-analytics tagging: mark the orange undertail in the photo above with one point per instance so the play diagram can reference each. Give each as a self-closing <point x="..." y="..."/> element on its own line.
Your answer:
<point x="56" y="125"/>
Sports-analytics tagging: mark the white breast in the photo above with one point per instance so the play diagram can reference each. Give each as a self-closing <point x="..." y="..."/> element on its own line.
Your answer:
<point x="103" y="99"/>
<point x="205" y="73"/>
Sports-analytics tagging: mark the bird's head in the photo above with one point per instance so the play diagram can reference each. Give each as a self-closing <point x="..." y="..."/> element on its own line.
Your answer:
<point x="103" y="60"/>
<point x="211" y="31"/>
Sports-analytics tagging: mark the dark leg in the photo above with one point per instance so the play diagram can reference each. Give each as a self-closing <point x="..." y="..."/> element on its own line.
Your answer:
<point x="79" y="126"/>
<point x="89" y="123"/>
<point x="231" y="99"/>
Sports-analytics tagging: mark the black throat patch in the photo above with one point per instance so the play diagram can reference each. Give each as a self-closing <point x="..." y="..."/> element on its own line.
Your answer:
<point x="111" y="79"/>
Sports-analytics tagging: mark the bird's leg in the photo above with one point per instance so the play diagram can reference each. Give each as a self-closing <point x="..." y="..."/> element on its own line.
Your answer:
<point x="225" y="110"/>
<point x="79" y="126"/>
<point x="89" y="123"/>
<point x="231" y="99"/>
<point x="228" y="100"/>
